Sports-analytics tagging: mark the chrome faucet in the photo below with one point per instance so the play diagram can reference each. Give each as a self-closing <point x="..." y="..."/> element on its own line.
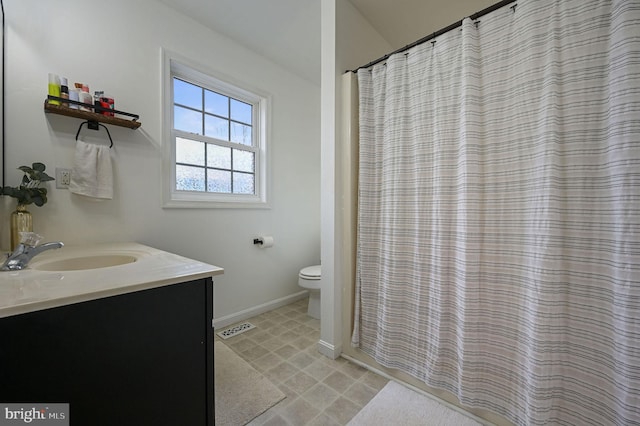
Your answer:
<point x="27" y="250"/>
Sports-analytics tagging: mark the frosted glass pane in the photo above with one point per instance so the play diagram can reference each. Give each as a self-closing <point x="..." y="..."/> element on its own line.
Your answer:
<point x="217" y="127"/>
<point x="219" y="157"/>
<point x="243" y="183"/>
<point x="215" y="103"/>
<point x="240" y="111"/>
<point x="243" y="161"/>
<point x="187" y="94"/>
<point x="190" y="152"/>
<point x="241" y="134"/>
<point x="187" y="120"/>
<point x="189" y="178"/>
<point x="219" y="181"/>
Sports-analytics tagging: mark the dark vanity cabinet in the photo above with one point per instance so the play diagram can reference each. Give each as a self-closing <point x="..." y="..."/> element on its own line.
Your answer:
<point x="141" y="358"/>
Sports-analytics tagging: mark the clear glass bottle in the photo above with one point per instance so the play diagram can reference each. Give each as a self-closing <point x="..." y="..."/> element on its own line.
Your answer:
<point x="21" y="221"/>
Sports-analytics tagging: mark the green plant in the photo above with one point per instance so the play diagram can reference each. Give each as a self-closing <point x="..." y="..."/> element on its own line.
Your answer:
<point x="29" y="190"/>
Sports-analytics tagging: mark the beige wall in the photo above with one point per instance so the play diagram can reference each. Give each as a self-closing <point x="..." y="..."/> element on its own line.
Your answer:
<point x="63" y="37"/>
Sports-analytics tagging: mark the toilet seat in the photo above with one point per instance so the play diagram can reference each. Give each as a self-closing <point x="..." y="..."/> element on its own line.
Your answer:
<point x="310" y="273"/>
<point x="309" y="279"/>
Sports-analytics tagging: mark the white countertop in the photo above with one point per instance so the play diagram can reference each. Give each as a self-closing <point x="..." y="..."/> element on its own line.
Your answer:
<point x="33" y="290"/>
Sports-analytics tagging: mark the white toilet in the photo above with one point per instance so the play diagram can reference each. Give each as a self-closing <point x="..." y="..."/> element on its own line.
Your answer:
<point x="309" y="278"/>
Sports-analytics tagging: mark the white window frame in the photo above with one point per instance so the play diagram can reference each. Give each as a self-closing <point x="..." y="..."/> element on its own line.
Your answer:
<point x="175" y="65"/>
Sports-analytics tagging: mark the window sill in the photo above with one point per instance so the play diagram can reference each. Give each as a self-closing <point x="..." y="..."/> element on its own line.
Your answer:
<point x="211" y="201"/>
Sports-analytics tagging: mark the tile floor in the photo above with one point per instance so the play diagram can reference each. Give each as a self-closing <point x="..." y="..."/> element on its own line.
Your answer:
<point x="319" y="391"/>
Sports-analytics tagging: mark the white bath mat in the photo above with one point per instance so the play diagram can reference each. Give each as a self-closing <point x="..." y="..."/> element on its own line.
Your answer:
<point x="399" y="405"/>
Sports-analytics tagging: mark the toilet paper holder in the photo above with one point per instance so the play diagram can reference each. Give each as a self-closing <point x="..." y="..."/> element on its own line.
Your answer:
<point x="263" y="241"/>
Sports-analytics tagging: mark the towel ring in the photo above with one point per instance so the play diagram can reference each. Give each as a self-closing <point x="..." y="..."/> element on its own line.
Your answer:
<point x="94" y="125"/>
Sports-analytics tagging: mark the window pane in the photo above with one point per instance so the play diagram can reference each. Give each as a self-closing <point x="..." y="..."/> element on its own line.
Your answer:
<point x="240" y="111"/>
<point x="218" y="156"/>
<point x="187" y="120"/>
<point x="241" y="134"/>
<point x="217" y="127"/>
<point x="215" y="103"/>
<point x="189" y="178"/>
<point x="243" y="161"/>
<point x="190" y="152"/>
<point x="187" y="94"/>
<point x="219" y="181"/>
<point x="243" y="183"/>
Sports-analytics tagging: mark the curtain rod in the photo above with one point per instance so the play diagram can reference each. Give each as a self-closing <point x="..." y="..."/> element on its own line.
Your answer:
<point x="439" y="32"/>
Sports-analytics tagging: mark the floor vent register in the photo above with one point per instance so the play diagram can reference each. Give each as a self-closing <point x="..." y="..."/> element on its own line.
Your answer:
<point x="235" y="330"/>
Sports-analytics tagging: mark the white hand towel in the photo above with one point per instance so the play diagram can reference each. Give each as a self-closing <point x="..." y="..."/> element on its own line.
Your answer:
<point x="92" y="174"/>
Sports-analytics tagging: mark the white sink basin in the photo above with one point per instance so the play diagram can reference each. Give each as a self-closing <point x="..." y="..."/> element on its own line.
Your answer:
<point x="83" y="263"/>
<point x="74" y="274"/>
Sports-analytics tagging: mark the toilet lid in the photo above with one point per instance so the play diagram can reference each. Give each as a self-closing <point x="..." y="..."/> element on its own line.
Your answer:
<point x="311" y="272"/>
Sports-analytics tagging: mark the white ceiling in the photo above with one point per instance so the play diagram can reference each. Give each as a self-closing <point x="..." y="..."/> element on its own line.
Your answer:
<point x="288" y="31"/>
<point x="402" y="22"/>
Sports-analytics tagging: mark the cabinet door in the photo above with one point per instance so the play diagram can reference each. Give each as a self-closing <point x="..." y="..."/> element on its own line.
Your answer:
<point x="144" y="358"/>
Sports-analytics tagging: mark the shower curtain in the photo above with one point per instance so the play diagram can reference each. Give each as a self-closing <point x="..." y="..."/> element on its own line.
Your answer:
<point x="498" y="249"/>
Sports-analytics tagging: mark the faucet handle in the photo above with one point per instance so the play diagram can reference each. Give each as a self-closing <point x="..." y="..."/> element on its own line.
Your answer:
<point x="30" y="239"/>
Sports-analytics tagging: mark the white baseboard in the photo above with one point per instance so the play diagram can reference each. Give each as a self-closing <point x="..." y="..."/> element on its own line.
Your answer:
<point x="222" y="322"/>
<point x="329" y="350"/>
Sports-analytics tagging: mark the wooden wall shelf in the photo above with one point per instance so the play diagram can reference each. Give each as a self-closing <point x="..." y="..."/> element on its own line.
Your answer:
<point x="93" y="116"/>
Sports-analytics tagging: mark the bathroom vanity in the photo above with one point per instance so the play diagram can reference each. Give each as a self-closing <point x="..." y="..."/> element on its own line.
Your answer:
<point x="123" y="344"/>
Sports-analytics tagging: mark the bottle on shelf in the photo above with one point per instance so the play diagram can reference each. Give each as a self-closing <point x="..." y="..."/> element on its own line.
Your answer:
<point x="64" y="91"/>
<point x="85" y="97"/>
<point x="102" y="101"/>
<point x="74" y="95"/>
<point x="54" y="87"/>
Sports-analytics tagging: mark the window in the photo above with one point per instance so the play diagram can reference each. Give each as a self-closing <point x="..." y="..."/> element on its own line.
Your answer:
<point x="217" y="140"/>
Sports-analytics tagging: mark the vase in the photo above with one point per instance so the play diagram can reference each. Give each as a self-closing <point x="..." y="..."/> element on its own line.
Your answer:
<point x="21" y="221"/>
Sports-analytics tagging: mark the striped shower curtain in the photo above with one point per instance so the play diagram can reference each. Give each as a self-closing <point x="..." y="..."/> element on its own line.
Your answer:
<point x="498" y="252"/>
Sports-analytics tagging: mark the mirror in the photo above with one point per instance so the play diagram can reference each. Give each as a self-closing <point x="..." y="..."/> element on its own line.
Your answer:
<point x="2" y="168"/>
